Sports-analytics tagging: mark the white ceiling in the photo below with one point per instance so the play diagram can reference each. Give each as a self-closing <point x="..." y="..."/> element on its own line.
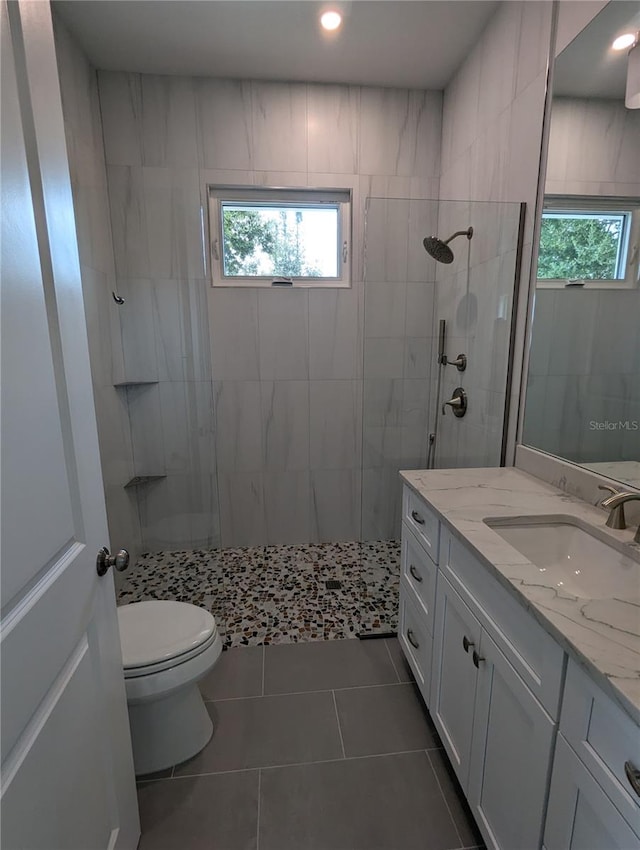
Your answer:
<point x="385" y="42"/>
<point x="588" y="67"/>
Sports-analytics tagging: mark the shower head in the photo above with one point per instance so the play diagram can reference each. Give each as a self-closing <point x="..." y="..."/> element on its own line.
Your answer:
<point x="440" y="250"/>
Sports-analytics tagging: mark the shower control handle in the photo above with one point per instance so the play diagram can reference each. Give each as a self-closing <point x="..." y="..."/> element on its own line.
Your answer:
<point x="460" y="362"/>
<point x="457" y="402"/>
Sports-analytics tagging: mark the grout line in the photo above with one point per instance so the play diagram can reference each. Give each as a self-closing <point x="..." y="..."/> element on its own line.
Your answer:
<point x="453" y="820"/>
<point x="263" y="665"/>
<point x="335" y="706"/>
<point x="321" y="691"/>
<point x="301" y="763"/>
<point x="258" y="812"/>
<point x="392" y="662"/>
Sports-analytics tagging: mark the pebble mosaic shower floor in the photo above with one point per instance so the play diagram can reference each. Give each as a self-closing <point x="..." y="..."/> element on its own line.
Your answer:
<point x="278" y="594"/>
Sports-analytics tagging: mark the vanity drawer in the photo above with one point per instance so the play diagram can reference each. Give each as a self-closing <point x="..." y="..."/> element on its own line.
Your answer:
<point x="422" y="521"/>
<point x="415" y="639"/>
<point x="419" y="573"/>
<point x="604" y="737"/>
<point x="536" y="656"/>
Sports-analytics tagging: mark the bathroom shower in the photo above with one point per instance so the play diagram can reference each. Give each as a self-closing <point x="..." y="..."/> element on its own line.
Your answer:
<point x="439" y="249"/>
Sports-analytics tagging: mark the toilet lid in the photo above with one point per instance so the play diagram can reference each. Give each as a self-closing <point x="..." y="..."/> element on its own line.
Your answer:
<point x="156" y="631"/>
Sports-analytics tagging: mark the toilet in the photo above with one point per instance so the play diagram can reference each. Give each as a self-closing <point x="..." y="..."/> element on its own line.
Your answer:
<point x="167" y="647"/>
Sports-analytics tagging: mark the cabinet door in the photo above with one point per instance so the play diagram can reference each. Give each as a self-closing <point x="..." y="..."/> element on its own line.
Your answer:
<point x="511" y="754"/>
<point x="453" y="678"/>
<point x="580" y="815"/>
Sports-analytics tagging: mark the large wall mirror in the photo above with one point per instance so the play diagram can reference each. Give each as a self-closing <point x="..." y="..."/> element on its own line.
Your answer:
<point x="583" y="387"/>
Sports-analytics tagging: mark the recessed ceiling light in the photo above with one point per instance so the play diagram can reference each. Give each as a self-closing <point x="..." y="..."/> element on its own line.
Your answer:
<point x="624" y="41"/>
<point x="331" y="20"/>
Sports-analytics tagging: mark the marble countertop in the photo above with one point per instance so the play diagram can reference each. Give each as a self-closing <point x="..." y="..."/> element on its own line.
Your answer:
<point x="603" y="635"/>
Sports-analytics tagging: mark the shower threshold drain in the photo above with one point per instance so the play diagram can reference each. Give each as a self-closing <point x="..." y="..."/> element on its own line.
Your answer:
<point x="333" y="584"/>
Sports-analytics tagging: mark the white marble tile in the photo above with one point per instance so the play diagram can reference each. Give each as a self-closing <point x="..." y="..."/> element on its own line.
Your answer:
<point x="386" y="242"/>
<point x="534" y="39"/>
<point x="225" y="130"/>
<point x="238" y="426"/>
<point x="525" y="138"/>
<point x="384" y="309"/>
<point x="114" y="435"/>
<point x="286" y="506"/>
<point x="128" y="221"/>
<point x="574" y="332"/>
<point x="381" y="504"/>
<point x="285" y="425"/>
<point x="418" y="357"/>
<point x="421" y="318"/>
<point x="145" y="417"/>
<point x="335" y="505"/>
<point x="123" y="520"/>
<point x="165" y="514"/>
<point x="279" y="119"/>
<point x="169" y="305"/>
<point x="497" y="84"/>
<point x="383" y="400"/>
<point x="284" y="334"/>
<point x="384" y="357"/>
<point x="174" y="222"/>
<point x="400" y="131"/>
<point x="197" y="336"/>
<point x="333" y="333"/>
<point x="333" y="128"/>
<point x="233" y="317"/>
<point x="335" y="424"/>
<point x="168" y="121"/>
<point x="138" y="329"/>
<point x="242" y="516"/>
<point x="176" y="433"/>
<point x="205" y="515"/>
<point x="121" y="107"/>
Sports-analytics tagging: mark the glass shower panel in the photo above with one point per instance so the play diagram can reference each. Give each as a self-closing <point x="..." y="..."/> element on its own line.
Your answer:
<point x="399" y="297"/>
<point x="475" y="297"/>
<point x="406" y="294"/>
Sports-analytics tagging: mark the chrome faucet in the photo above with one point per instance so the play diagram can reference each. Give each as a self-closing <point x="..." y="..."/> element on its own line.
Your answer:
<point x="616" y="503"/>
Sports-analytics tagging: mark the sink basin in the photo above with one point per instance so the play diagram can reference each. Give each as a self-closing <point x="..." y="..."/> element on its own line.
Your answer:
<point x="570" y="557"/>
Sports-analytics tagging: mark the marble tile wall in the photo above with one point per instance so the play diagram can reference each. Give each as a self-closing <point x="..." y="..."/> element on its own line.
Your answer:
<point x="492" y="128"/>
<point x="584" y="368"/>
<point x="286" y="366"/>
<point x="593" y="148"/>
<point x="83" y="126"/>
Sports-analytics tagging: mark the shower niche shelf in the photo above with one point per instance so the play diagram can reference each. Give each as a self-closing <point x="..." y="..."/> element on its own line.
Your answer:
<point x="125" y="384"/>
<point x="139" y="480"/>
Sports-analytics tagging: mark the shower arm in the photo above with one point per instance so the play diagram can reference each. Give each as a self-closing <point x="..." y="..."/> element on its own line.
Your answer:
<point x="468" y="233"/>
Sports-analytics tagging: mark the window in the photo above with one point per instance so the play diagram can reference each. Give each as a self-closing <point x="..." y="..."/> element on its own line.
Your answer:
<point x="280" y="237"/>
<point x="589" y="242"/>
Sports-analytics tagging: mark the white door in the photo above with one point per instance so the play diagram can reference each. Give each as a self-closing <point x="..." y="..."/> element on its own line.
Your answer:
<point x="511" y="752"/>
<point x="453" y="679"/>
<point x="67" y="769"/>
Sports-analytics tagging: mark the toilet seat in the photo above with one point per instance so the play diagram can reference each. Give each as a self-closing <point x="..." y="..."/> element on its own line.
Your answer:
<point x="156" y="635"/>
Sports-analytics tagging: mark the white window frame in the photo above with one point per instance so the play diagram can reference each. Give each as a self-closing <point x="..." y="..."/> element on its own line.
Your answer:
<point x="630" y="250"/>
<point x="340" y="198"/>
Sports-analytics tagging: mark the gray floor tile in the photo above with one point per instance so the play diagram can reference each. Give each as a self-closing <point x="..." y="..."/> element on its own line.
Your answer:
<point x="466" y="825"/>
<point x="400" y="662"/>
<point x="387" y="719"/>
<point x="159" y="774"/>
<point x="263" y="731"/>
<point x="238" y="673"/>
<point x="200" y="813"/>
<point x="380" y="803"/>
<point x="326" y="665"/>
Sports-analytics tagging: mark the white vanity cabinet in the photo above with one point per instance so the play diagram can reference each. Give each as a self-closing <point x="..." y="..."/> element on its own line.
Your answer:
<point x="543" y="755"/>
<point x="498" y="736"/>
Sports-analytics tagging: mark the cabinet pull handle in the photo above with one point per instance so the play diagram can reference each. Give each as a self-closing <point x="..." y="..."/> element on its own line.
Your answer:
<point x="633" y="775"/>
<point x="477" y="659"/>
<point x="415" y="574"/>
<point x="417" y="518"/>
<point x="466" y="643"/>
<point x="414" y="643"/>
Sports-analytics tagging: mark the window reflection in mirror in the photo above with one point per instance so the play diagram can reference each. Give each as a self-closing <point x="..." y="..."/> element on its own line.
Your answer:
<point x="583" y="386"/>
